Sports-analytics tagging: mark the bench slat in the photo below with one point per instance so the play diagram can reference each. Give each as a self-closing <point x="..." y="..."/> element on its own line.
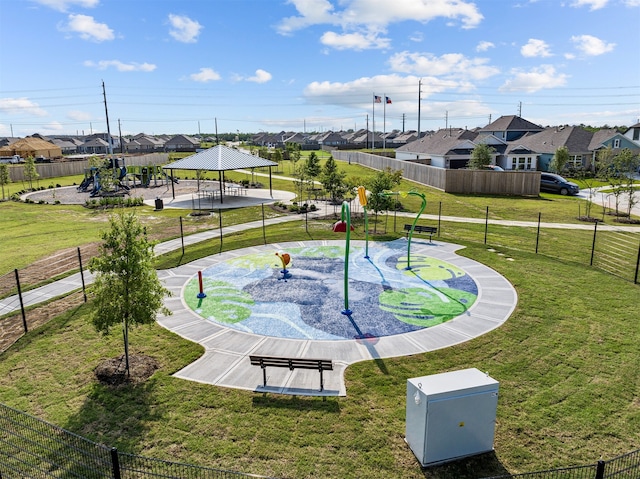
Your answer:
<point x="291" y="363"/>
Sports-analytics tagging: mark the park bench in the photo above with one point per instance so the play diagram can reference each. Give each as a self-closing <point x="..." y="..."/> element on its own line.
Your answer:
<point x="291" y="363"/>
<point x="430" y="230"/>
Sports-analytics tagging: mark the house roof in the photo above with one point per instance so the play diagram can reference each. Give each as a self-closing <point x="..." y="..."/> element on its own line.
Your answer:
<point x="511" y="123"/>
<point x="441" y="142"/>
<point x="575" y="138"/>
<point x="600" y="136"/>
<point x="219" y="158"/>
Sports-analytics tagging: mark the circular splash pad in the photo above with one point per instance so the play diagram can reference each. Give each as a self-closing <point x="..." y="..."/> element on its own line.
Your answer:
<point x="254" y="293"/>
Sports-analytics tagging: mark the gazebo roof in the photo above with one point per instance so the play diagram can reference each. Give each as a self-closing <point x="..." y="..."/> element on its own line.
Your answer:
<point x="219" y="158"/>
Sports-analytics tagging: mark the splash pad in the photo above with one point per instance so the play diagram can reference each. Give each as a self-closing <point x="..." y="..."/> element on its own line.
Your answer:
<point x="250" y="292"/>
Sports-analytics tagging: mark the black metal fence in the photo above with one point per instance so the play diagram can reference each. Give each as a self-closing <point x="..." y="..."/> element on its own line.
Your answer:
<point x="30" y="447"/>
<point x="626" y="466"/>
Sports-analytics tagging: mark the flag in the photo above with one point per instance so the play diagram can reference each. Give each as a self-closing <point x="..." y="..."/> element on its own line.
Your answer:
<point x="377" y="99"/>
<point x="388" y="100"/>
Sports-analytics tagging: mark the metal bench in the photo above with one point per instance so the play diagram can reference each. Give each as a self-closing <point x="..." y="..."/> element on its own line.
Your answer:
<point x="291" y="363"/>
<point x="430" y="230"/>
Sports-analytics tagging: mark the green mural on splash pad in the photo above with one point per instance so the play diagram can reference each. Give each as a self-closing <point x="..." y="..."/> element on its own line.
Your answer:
<point x="224" y="302"/>
<point x="427" y="268"/>
<point x="426" y="307"/>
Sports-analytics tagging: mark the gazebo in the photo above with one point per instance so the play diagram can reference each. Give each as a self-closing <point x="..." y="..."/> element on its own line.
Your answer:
<point x="220" y="158"/>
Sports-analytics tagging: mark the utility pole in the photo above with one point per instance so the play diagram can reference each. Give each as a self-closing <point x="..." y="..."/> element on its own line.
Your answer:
<point x="366" y="141"/>
<point x="120" y="135"/>
<point x="520" y="109"/>
<point x="419" y="100"/>
<point x="106" y="112"/>
<point x="446" y="120"/>
<point x="403" y="118"/>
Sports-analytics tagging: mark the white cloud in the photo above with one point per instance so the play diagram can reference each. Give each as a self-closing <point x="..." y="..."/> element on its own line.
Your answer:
<point x="449" y="64"/>
<point x="373" y="16"/>
<point x="120" y="66"/>
<point x="591" y="46"/>
<point x="632" y="3"/>
<point x="535" y="48"/>
<point x="21" y="106"/>
<point x="261" y="76"/>
<point x="87" y="28"/>
<point x="205" y="75"/>
<point x="183" y="29"/>
<point x="63" y="5"/>
<point x="354" y="41"/>
<point x="592" y="4"/>
<point x="484" y="46"/>
<point x="545" y="76"/>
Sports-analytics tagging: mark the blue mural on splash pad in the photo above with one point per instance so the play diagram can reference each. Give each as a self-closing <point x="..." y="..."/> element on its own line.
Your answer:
<point x="252" y="293"/>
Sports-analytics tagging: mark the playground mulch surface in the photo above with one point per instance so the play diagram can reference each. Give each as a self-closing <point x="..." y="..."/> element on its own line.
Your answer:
<point x="70" y="195"/>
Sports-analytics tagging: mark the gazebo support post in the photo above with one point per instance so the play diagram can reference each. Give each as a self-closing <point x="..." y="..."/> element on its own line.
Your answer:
<point x="221" y="185"/>
<point x="270" y="184"/>
<point x="173" y="190"/>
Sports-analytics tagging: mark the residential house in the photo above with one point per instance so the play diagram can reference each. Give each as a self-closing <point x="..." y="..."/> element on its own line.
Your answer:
<point x="534" y="151"/>
<point x="633" y="133"/>
<point x="182" y="143"/>
<point x="331" y="138"/>
<point x="613" y="139"/>
<point x="446" y="148"/>
<point x="509" y="128"/>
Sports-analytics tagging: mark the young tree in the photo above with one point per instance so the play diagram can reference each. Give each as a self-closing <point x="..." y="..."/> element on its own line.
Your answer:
<point x="481" y="156"/>
<point x="30" y="171"/>
<point x="385" y="180"/>
<point x="626" y="164"/>
<point x="559" y="160"/>
<point x="277" y="157"/>
<point x="332" y="180"/>
<point x="5" y="179"/>
<point x="127" y="289"/>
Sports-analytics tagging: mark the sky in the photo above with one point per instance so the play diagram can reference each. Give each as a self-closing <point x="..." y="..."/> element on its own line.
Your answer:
<point x="197" y="66"/>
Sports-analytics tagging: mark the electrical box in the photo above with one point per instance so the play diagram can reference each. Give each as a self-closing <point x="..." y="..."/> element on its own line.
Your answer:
<point x="451" y="415"/>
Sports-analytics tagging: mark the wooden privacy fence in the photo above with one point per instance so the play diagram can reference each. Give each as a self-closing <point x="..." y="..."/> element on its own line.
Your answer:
<point x="70" y="168"/>
<point x="515" y="183"/>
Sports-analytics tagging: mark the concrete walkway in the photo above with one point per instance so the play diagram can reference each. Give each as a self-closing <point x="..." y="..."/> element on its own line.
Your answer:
<point x="226" y="362"/>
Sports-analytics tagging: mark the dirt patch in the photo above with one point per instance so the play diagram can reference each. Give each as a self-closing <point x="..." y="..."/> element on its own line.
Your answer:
<point x="113" y="372"/>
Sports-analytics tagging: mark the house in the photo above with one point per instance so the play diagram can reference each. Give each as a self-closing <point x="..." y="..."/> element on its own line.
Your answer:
<point x="331" y="138"/>
<point x="31" y="147"/>
<point x="633" y="133"/>
<point x="446" y="148"/>
<point x="182" y="143"/>
<point x="144" y="144"/>
<point x="613" y="139"/>
<point x="534" y="151"/>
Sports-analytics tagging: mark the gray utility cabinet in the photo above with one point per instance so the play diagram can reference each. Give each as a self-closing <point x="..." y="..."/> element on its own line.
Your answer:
<point x="451" y="415"/>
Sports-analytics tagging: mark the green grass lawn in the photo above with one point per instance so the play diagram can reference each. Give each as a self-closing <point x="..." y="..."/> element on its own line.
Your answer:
<point x="566" y="360"/>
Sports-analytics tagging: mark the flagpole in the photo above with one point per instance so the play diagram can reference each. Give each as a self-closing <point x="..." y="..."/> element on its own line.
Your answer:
<point x="384" y="120"/>
<point x="373" y="128"/>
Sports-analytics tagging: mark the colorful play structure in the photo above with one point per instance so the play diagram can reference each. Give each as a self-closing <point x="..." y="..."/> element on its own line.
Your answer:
<point x="121" y="177"/>
<point x="344" y="225"/>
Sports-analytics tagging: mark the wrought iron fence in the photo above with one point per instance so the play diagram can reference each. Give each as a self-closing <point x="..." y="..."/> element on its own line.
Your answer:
<point x="30" y="447"/>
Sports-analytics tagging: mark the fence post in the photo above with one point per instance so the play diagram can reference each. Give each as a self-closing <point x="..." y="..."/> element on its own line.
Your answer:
<point x="264" y="231"/>
<point x="538" y="233"/>
<point x="24" y="316"/>
<point x="439" y="218"/>
<point x="486" y="224"/>
<point x="84" y="291"/>
<point x="593" y="245"/>
<point x="600" y="470"/>
<point x="115" y="463"/>
<point x="220" y="226"/>
<point x="182" y="236"/>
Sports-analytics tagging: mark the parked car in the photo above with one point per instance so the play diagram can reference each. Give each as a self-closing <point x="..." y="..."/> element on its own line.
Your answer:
<point x="553" y="183"/>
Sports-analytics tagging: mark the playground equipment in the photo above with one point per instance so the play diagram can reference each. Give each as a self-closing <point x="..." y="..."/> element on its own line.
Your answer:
<point x="413" y="225"/>
<point x="285" y="259"/>
<point x="344" y="225"/>
<point x="111" y="175"/>
<point x="362" y="198"/>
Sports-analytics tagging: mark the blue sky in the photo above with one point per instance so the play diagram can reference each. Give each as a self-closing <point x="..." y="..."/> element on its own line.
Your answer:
<point x="180" y="66"/>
